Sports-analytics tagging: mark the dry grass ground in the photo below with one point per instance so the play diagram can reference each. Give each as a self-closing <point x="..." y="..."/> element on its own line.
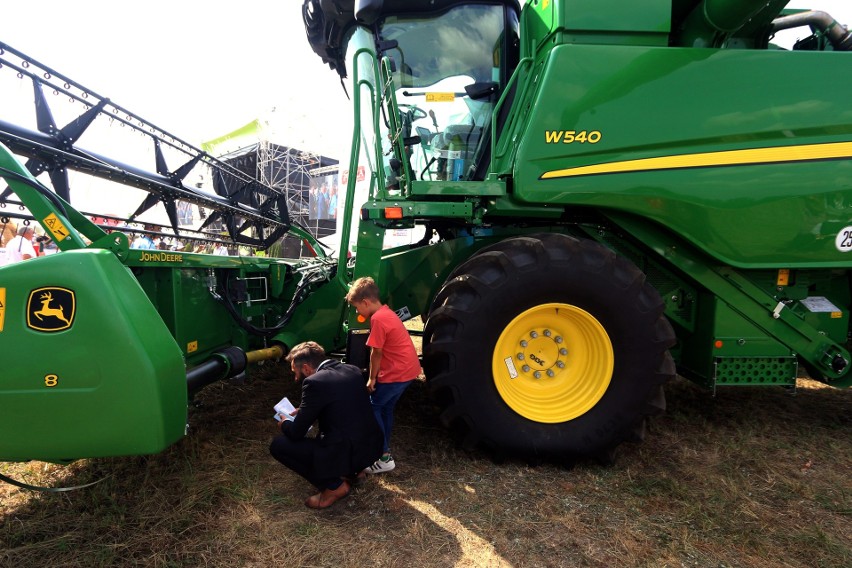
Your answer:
<point x="751" y="478"/>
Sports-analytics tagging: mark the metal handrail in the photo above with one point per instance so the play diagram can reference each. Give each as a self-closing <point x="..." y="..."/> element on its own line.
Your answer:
<point x="499" y="152"/>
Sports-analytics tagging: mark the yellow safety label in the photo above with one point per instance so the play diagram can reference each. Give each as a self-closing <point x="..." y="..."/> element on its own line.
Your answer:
<point x="783" y="278"/>
<point x="440" y="97"/>
<point x="2" y="306"/>
<point x="192" y="346"/>
<point x="55" y="226"/>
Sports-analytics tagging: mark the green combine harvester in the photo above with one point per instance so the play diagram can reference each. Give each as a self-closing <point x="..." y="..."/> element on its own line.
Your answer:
<point x="606" y="193"/>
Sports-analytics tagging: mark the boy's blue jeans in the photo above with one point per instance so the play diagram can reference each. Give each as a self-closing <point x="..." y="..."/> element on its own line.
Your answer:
<point x="384" y="399"/>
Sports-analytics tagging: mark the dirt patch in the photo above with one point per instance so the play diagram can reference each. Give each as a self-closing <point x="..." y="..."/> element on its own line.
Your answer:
<point x="749" y="478"/>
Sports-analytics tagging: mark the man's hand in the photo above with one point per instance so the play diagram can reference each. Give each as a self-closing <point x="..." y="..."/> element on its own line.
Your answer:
<point x="375" y="368"/>
<point x="283" y="419"/>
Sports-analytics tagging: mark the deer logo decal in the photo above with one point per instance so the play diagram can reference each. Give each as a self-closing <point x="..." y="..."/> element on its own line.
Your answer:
<point x="51" y="309"/>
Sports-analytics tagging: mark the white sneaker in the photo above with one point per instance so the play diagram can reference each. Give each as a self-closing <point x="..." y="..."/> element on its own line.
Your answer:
<point x="382" y="466"/>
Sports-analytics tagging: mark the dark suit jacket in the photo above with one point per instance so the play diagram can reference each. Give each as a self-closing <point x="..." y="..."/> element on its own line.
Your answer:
<point x="349" y="437"/>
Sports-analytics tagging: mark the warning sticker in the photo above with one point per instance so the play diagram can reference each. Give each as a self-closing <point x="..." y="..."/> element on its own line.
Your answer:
<point x="510" y="365"/>
<point x="55" y="226"/>
<point x="440" y="97"/>
<point x="2" y="306"/>
<point x="819" y="304"/>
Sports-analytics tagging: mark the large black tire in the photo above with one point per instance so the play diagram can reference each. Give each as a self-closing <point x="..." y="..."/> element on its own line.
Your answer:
<point x="586" y="336"/>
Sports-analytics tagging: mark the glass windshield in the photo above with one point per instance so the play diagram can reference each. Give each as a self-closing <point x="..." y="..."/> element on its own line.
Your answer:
<point x="435" y="60"/>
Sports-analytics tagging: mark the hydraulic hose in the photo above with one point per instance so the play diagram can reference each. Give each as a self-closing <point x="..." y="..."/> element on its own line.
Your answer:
<point x="227" y="363"/>
<point x="224" y="364"/>
<point x="274" y="352"/>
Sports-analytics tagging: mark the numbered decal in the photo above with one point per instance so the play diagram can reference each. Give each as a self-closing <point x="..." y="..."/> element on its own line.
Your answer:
<point x="572" y="136"/>
<point x="843" y="241"/>
<point x="2" y="306"/>
<point x="51" y="380"/>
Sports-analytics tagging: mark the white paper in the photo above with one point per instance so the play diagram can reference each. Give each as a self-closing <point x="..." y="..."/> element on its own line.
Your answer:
<point x="283" y="409"/>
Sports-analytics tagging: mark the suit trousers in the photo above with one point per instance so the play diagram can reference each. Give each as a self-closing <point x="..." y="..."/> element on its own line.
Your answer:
<point x="298" y="455"/>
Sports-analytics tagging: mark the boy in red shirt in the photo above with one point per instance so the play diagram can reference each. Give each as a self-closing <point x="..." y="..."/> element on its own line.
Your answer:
<point x="393" y="360"/>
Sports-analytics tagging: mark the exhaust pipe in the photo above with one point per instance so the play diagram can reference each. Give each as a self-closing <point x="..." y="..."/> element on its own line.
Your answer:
<point x="836" y="33"/>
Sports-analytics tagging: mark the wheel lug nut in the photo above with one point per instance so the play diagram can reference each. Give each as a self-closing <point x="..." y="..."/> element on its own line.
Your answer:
<point x="550" y="373"/>
<point x="560" y="364"/>
<point x="525" y="368"/>
<point x="537" y="375"/>
<point x="547" y="333"/>
<point x="533" y="334"/>
<point x="520" y="356"/>
<point x="523" y="342"/>
<point x="558" y="339"/>
<point x="563" y="351"/>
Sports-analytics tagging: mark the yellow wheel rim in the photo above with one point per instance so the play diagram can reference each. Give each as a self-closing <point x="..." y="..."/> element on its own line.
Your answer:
<point x="553" y="363"/>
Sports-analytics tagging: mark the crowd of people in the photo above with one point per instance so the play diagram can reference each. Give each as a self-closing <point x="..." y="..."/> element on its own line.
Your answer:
<point x="25" y="244"/>
<point x="322" y="201"/>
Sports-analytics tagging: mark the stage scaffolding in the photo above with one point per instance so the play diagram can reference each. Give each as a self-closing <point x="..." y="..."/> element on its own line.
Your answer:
<point x="289" y="171"/>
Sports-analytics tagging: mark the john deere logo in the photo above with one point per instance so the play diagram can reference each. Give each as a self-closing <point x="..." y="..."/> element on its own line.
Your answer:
<point x="50" y="309"/>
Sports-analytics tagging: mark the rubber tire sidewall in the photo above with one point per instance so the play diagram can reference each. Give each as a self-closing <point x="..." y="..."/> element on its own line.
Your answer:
<point x="519" y="274"/>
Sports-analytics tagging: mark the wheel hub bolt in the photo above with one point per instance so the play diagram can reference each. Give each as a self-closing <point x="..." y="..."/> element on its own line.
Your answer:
<point x="550" y="373"/>
<point x="537" y="375"/>
<point x="547" y="333"/>
<point x="560" y="364"/>
<point x="533" y="334"/>
<point x="558" y="339"/>
<point x="523" y="342"/>
<point x="525" y="368"/>
<point x="563" y="351"/>
<point x="520" y="356"/>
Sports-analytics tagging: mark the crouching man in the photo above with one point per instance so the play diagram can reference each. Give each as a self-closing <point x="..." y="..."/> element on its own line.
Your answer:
<point x="349" y="438"/>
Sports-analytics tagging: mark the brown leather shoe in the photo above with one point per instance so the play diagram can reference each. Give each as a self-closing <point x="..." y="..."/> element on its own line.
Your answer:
<point x="328" y="497"/>
<point x="357" y="480"/>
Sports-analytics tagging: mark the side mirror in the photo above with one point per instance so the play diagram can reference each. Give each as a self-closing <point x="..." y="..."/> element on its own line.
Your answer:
<point x="480" y="90"/>
<point x="368" y="11"/>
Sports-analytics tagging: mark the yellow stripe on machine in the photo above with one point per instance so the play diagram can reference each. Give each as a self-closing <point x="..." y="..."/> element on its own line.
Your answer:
<point x="753" y="156"/>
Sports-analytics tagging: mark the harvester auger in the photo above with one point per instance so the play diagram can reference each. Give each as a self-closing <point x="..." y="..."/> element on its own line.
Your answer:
<point x="601" y="195"/>
<point x="240" y="203"/>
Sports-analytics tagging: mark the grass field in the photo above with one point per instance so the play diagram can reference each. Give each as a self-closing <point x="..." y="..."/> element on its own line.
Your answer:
<point x="750" y="478"/>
